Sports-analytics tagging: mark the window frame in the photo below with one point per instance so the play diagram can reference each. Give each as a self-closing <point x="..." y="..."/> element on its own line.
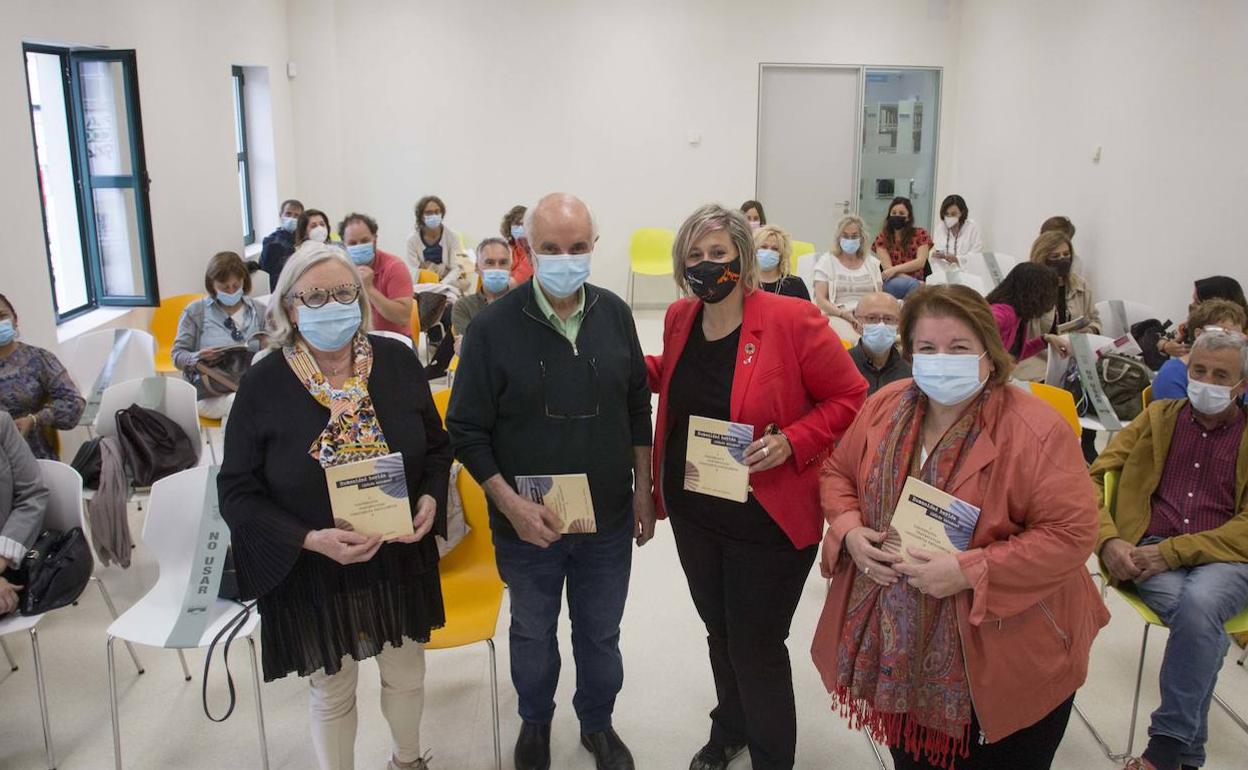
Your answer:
<point x="242" y="156"/>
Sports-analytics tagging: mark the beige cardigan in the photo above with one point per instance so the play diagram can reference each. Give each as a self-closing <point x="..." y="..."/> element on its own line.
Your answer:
<point x="453" y="256"/>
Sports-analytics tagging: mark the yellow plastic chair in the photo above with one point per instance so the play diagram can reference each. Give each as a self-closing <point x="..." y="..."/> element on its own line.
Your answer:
<point x="649" y="253"/>
<point x="1147" y="395"/>
<point x="472" y="590"/>
<point x="1236" y="625"/>
<point x="415" y="322"/>
<point x="846" y="343"/>
<point x="164" y="327"/>
<point x="1061" y="400"/>
<point x="451" y="368"/>
<point x="426" y="276"/>
<point x="442" y="400"/>
<point x="799" y="248"/>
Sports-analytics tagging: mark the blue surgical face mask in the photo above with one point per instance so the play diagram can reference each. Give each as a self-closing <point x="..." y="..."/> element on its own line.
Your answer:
<point x="850" y="245"/>
<point x="433" y="221"/>
<point x="230" y="299"/>
<point x="289" y="223"/>
<point x="7" y="332"/>
<point x="517" y="231"/>
<point x="362" y="253"/>
<point x="948" y="378"/>
<point x="329" y="326"/>
<point x="495" y="281"/>
<point x="768" y="259"/>
<point x="879" y="337"/>
<point x="562" y="275"/>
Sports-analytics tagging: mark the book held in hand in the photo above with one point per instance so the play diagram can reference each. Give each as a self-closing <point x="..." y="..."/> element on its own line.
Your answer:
<point x="930" y="519"/>
<point x="715" y="458"/>
<point x="371" y="496"/>
<point x="567" y="495"/>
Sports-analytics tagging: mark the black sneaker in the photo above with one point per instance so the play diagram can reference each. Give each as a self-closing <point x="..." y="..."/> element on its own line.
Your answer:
<point x="715" y="757"/>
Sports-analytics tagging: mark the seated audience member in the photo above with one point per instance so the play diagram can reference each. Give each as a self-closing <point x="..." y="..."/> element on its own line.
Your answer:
<point x="280" y="244"/>
<point x="23" y="500"/>
<point x="494" y="262"/>
<point x="434" y="246"/>
<point x="1026" y="293"/>
<point x="313" y="225"/>
<point x="902" y="249"/>
<point x="512" y="229"/>
<point x="1074" y="299"/>
<point x="1213" y="287"/>
<point x="383" y="276"/>
<point x="1059" y="224"/>
<point x="952" y="660"/>
<point x="754" y="214"/>
<point x="774" y="252"/>
<point x="876" y="354"/>
<point x="225" y="318"/>
<point x="35" y="389"/>
<point x="956" y="234"/>
<point x="845" y="274"/>
<point x="1179" y="533"/>
<point x="1221" y="314"/>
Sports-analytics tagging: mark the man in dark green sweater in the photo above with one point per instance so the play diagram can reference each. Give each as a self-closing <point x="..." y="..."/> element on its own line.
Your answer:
<point x="552" y="381"/>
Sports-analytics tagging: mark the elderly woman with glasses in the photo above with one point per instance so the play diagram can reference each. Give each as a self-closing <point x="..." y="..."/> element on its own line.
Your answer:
<point x="225" y="319"/>
<point x="330" y="596"/>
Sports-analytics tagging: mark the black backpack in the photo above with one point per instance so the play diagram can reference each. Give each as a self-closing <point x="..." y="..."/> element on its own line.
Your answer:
<point x="1147" y="334"/>
<point x="154" y="445"/>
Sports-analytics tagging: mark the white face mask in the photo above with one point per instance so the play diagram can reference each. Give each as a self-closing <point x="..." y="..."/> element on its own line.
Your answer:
<point x="951" y="222"/>
<point x="1209" y="399"/>
<point x="318" y="234"/>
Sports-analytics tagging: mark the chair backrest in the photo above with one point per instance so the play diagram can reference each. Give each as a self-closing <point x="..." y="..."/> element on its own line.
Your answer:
<point x="1135" y="312"/>
<point x="442" y="400"/>
<point x="650" y="250"/>
<point x="426" y="276"/>
<point x="797" y="250"/>
<point x="1111" y="491"/>
<point x="1061" y="400"/>
<point x="86" y="355"/>
<point x="476" y="549"/>
<point x="415" y="320"/>
<point x="164" y="326"/>
<point x="962" y="277"/>
<point x="179" y="406"/>
<point x="260" y="284"/>
<point x="64" y="485"/>
<point x="393" y="336"/>
<point x="804" y="268"/>
<point x="171" y="531"/>
<point x="976" y="264"/>
<point x="1146" y="395"/>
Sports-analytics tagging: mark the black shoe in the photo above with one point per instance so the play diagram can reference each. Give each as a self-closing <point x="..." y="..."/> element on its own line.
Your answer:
<point x="715" y="757"/>
<point x="533" y="747"/>
<point x="609" y="751"/>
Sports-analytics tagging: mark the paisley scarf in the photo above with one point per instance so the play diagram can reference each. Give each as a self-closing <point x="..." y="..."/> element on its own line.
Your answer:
<point x="900" y="668"/>
<point x="353" y="432"/>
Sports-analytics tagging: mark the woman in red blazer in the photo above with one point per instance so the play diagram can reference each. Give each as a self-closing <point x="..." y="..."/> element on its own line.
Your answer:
<point x="732" y="352"/>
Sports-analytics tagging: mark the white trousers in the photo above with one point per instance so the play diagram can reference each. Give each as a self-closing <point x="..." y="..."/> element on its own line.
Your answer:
<point x="333" y="714"/>
<point x="216" y="407"/>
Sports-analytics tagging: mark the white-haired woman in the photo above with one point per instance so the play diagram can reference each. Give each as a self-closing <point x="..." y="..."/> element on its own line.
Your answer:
<point x="330" y="596"/>
<point x="844" y="274"/>
<point x="774" y="251"/>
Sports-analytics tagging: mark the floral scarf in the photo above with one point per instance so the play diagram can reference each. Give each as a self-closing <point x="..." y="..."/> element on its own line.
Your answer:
<point x="353" y="432"/>
<point x="900" y="667"/>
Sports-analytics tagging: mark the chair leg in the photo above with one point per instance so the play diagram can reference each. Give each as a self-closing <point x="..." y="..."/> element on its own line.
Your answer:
<point x="879" y="758"/>
<point x="1243" y="656"/>
<point x="1231" y="712"/>
<point x="1135" y="703"/>
<point x="8" y="655"/>
<point x="43" y="698"/>
<point x="186" y="671"/>
<point x="112" y="611"/>
<point x="632" y="279"/>
<point x="255" y="682"/>
<point x="112" y="703"/>
<point x="498" y="746"/>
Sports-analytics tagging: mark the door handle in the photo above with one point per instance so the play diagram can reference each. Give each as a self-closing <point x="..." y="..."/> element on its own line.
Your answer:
<point x="911" y="189"/>
<point x="843" y="204"/>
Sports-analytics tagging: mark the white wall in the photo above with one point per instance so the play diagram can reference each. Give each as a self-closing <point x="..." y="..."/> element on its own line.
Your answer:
<point x="1159" y="85"/>
<point x="185" y="50"/>
<point x="492" y="102"/>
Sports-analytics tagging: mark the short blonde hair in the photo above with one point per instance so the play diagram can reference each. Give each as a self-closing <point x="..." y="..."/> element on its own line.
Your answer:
<point x="708" y="219"/>
<point x="786" y="245"/>
<point x="282" y="331"/>
<point x="846" y="221"/>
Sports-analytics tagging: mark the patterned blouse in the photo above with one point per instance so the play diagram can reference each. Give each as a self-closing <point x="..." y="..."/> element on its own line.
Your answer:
<point x="900" y="253"/>
<point x="33" y="381"/>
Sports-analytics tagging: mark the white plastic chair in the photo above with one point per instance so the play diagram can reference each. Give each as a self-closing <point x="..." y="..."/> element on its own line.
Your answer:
<point x="171" y="530"/>
<point x="960" y="277"/>
<point x="394" y="336"/>
<point x="1135" y="312"/>
<point x="977" y="264"/>
<point x="64" y="512"/>
<point x="1057" y="367"/>
<point x="178" y="405"/>
<point x="86" y="355"/>
<point x="806" y="271"/>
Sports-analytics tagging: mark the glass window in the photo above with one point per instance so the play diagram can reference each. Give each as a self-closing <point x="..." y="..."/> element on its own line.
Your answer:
<point x="240" y="145"/>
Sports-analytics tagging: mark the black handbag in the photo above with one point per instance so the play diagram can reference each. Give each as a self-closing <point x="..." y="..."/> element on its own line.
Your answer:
<point x="221" y="377"/>
<point x="55" y="571"/>
<point x="154" y="446"/>
<point x="87" y="461"/>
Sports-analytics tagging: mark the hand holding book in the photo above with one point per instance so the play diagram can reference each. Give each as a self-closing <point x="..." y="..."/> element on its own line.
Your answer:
<point x="422" y="522"/>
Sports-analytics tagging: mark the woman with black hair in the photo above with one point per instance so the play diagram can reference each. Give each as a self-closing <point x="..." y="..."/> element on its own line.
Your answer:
<point x="955" y="233"/>
<point x="902" y="249"/>
<point x="1213" y="287"/>
<point x="1026" y="293"/>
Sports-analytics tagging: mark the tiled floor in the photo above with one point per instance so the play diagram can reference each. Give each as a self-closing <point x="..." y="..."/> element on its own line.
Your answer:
<point x="661" y="712"/>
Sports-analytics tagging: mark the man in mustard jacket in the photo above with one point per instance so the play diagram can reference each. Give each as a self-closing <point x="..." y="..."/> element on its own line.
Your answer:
<point x="1179" y="533"/>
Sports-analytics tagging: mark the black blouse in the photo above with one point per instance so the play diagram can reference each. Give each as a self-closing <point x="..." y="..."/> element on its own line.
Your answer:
<point x="272" y="493"/>
<point x="788" y="286"/>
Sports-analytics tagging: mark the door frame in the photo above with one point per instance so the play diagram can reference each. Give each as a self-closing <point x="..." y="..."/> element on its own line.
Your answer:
<point x="856" y="187"/>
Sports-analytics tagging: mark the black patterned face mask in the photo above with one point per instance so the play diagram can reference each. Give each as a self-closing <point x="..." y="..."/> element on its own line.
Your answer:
<point x="711" y="281"/>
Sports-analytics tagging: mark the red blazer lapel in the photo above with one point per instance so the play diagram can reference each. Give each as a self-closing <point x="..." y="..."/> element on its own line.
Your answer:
<point x="748" y="349"/>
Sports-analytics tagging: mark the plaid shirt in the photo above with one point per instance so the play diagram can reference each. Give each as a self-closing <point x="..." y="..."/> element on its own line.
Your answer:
<point x="1197" y="489"/>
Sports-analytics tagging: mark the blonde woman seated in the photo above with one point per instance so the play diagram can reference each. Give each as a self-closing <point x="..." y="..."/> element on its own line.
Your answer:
<point x="846" y="273"/>
<point x="774" y="251"/>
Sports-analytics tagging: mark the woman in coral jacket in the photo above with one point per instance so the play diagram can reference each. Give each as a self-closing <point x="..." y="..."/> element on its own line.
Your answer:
<point x="733" y="352"/>
<point x="967" y="660"/>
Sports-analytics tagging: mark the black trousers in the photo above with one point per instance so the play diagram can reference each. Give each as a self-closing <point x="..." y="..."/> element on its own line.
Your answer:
<point x="1031" y="748"/>
<point x="746" y="594"/>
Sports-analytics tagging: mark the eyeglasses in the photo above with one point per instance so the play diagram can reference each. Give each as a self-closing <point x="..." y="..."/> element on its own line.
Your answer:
<point x="236" y="334"/>
<point x="891" y="320"/>
<point x="314" y="298"/>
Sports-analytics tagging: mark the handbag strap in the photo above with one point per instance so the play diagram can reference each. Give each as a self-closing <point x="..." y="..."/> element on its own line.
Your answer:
<point x="229" y="631"/>
<point x="217" y="376"/>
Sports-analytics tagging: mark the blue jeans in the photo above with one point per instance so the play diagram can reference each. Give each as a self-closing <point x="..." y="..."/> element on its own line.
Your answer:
<point x="596" y="568"/>
<point x="1194" y="602"/>
<point x="900" y="286"/>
